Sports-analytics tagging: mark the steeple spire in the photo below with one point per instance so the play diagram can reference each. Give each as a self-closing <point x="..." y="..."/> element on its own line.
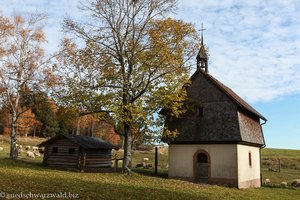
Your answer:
<point x="202" y="57"/>
<point x="202" y="29"/>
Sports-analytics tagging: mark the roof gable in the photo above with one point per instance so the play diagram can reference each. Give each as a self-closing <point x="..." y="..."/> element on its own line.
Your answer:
<point x="231" y="94"/>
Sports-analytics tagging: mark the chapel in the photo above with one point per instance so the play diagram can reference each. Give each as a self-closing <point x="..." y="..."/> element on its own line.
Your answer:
<point x="220" y="137"/>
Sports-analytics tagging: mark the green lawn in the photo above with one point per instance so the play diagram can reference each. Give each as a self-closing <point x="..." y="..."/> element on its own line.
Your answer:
<point x="19" y="176"/>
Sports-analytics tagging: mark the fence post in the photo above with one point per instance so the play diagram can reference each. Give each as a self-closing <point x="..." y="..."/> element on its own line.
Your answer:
<point x="279" y="165"/>
<point x="116" y="164"/>
<point x="155" y="164"/>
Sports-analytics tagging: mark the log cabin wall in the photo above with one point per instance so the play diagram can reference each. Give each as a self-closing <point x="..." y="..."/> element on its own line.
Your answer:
<point x="62" y="153"/>
<point x="97" y="158"/>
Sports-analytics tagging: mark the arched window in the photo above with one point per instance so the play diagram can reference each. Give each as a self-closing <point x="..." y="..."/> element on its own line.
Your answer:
<point x="202" y="158"/>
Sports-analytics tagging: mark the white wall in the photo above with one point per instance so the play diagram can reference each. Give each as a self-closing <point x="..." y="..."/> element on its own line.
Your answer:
<point x="228" y="162"/>
<point x="223" y="160"/>
<point x="246" y="173"/>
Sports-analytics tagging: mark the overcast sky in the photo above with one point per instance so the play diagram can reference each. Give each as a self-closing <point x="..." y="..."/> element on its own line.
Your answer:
<point x="254" y="49"/>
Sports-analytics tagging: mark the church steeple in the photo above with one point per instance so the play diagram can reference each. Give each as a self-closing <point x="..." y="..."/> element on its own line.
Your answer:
<point x="202" y="58"/>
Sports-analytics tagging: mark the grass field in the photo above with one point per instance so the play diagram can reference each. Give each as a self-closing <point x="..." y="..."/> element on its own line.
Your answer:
<point x="290" y="164"/>
<point x="22" y="176"/>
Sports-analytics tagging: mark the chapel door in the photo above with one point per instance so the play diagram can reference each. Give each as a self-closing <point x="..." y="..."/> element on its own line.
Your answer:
<point x="202" y="166"/>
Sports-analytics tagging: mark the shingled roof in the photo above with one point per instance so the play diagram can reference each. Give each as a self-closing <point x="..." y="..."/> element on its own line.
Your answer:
<point x="231" y="94"/>
<point x="84" y="141"/>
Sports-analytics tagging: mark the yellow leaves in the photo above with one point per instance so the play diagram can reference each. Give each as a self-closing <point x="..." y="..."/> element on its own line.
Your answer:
<point x="173" y="95"/>
<point x="175" y="103"/>
<point x="109" y="71"/>
<point x="169" y="136"/>
<point x="173" y="42"/>
<point x="130" y="112"/>
<point x="170" y="30"/>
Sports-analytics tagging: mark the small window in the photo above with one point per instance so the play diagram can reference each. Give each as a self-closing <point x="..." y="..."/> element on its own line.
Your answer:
<point x="55" y="150"/>
<point x="250" y="159"/>
<point x="71" y="150"/>
<point x="200" y="111"/>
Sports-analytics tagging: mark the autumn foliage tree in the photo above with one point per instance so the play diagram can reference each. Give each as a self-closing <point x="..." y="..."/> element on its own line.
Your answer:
<point x="21" y="61"/>
<point x="26" y="124"/>
<point x="130" y="62"/>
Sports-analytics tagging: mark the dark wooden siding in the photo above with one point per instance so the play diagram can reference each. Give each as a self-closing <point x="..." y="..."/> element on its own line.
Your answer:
<point x="62" y="158"/>
<point x="203" y="90"/>
<point x="213" y="119"/>
<point x="98" y="158"/>
<point x="71" y="155"/>
<point x="250" y="128"/>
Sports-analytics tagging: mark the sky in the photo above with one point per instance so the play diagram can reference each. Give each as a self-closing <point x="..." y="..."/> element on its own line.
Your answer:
<point x="254" y="49"/>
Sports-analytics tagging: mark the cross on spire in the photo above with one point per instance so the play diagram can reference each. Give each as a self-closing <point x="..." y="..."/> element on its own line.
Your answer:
<point x="202" y="29"/>
<point x="202" y="58"/>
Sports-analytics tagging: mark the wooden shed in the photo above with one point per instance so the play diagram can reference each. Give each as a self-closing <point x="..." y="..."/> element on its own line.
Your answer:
<point x="78" y="152"/>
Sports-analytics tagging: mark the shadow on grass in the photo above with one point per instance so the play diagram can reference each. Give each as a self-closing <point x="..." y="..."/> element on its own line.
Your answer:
<point x="150" y="172"/>
<point x="279" y="186"/>
<point x="114" y="186"/>
<point x="97" y="187"/>
<point x="38" y="164"/>
<point x="32" y="163"/>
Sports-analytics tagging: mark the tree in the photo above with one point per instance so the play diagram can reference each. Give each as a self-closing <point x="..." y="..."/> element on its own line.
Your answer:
<point x="66" y="117"/>
<point x="21" y="61"/>
<point x="26" y="123"/>
<point x="131" y="62"/>
<point x="45" y="111"/>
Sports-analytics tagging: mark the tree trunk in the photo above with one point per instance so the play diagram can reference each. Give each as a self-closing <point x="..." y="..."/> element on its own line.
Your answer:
<point x="34" y="131"/>
<point x="13" y="138"/>
<point x="78" y="126"/>
<point x="127" y="149"/>
<point x="93" y="129"/>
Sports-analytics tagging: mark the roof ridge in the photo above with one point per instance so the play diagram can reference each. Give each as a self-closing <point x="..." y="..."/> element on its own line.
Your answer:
<point x="230" y="93"/>
<point x="84" y="141"/>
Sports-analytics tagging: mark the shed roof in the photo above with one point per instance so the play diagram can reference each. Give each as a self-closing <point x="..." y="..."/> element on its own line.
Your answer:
<point x="84" y="141"/>
<point x="231" y="94"/>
